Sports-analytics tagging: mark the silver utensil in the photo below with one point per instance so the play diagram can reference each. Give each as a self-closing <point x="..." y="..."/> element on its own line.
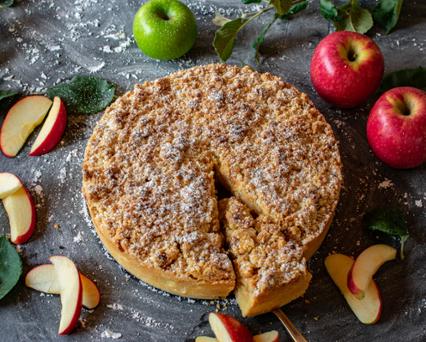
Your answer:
<point x="289" y="326"/>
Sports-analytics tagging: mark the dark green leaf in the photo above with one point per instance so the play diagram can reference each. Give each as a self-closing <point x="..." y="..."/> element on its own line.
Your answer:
<point x="388" y="221"/>
<point x="296" y="8"/>
<point x="386" y="13"/>
<point x="6" y="93"/>
<point x="224" y="38"/>
<point x="251" y="1"/>
<point x="84" y="94"/>
<point x="404" y="78"/>
<point x="260" y="39"/>
<point x="329" y="11"/>
<point x="7" y="98"/>
<point x="357" y="19"/>
<point x="10" y="267"/>
<point x="5" y="3"/>
<point x="350" y="16"/>
<point x="282" y="6"/>
<point x="220" y="20"/>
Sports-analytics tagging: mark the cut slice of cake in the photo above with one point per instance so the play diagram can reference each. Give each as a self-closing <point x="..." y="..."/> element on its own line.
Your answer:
<point x="270" y="268"/>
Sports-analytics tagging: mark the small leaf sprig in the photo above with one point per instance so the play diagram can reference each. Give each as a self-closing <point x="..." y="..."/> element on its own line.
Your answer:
<point x="388" y="221"/>
<point x="226" y="35"/>
<point x="351" y="16"/>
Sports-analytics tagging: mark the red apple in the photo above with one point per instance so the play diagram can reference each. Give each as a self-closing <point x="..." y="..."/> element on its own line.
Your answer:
<point x="52" y="129"/>
<point x="366" y="265"/>
<point x="346" y="68"/>
<point x="227" y="329"/>
<point x="71" y="292"/>
<point x="21" y="211"/>
<point x="369" y="308"/>
<point x="43" y="278"/>
<point x="20" y="121"/>
<point x="9" y="184"/>
<point x="396" y="127"/>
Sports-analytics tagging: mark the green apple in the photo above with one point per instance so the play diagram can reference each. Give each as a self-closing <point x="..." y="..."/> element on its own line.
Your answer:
<point x="164" y="29"/>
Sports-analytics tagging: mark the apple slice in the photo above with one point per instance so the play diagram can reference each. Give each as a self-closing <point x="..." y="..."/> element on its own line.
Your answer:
<point x="20" y="121"/>
<point x="21" y="211"/>
<point x="228" y="329"/>
<point x="91" y="294"/>
<point x="43" y="278"/>
<point x="52" y="129"/>
<point x="205" y="339"/>
<point x="71" y="292"/>
<point x="367" y="309"/>
<point x="9" y="184"/>
<point x="366" y="265"/>
<point x="270" y="336"/>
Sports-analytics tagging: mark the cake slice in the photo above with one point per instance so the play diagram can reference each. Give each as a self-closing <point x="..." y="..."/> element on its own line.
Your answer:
<point x="270" y="268"/>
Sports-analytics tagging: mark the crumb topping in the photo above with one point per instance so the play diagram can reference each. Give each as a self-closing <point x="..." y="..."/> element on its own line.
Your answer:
<point x="262" y="254"/>
<point x="150" y="167"/>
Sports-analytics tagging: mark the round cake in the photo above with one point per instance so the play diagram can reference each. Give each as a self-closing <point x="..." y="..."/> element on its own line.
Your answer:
<point x="150" y="176"/>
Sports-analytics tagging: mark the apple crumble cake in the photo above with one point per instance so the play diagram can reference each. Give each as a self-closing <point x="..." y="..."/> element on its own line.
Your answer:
<point x="149" y="182"/>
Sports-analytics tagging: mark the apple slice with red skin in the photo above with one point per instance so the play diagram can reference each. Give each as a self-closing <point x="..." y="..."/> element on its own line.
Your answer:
<point x="9" y="184"/>
<point x="43" y="278"/>
<point x="227" y="329"/>
<point x="366" y="265"/>
<point x="270" y="336"/>
<point x="367" y="309"/>
<point x="24" y="116"/>
<point x="52" y="129"/>
<point x="22" y="215"/>
<point x="71" y="291"/>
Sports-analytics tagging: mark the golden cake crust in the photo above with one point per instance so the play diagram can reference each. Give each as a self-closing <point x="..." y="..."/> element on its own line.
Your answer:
<point x="150" y="167"/>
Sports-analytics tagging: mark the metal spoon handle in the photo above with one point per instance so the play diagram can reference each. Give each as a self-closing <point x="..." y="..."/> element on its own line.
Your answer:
<point x="289" y="326"/>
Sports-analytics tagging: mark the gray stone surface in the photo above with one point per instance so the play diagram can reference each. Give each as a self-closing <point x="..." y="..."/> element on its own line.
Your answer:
<point x="42" y="42"/>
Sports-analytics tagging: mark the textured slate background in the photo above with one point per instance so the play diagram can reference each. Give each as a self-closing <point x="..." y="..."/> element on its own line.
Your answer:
<point x="43" y="42"/>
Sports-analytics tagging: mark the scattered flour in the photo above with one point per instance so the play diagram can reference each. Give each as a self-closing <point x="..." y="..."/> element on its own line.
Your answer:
<point x="115" y="306"/>
<point x="78" y="238"/>
<point x="111" y="334"/>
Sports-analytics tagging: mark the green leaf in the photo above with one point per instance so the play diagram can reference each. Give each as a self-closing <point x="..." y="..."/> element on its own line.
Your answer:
<point x="405" y="78"/>
<point x="387" y="12"/>
<point x="358" y="19"/>
<point x="388" y="221"/>
<point x="260" y="39"/>
<point x="329" y="11"/>
<point x="281" y="6"/>
<point x="6" y="100"/>
<point x="350" y="16"/>
<point x="220" y="20"/>
<point x="5" y="3"/>
<point x="296" y="8"/>
<point x="84" y="94"/>
<point x="10" y="267"/>
<point x="224" y="39"/>
<point x="6" y="93"/>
